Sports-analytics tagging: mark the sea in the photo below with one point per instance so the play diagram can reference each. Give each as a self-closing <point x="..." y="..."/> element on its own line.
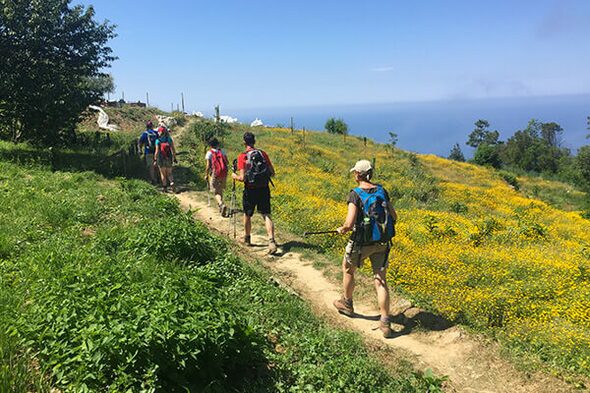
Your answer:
<point x="433" y="127"/>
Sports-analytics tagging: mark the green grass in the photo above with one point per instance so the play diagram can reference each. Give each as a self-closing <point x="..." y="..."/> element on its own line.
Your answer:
<point x="107" y="286"/>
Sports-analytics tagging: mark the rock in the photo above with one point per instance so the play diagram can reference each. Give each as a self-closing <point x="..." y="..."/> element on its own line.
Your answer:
<point x="412" y="312"/>
<point x="400" y="306"/>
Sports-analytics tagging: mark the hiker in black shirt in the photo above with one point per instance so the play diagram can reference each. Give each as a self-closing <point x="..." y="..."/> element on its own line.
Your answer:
<point x="371" y="218"/>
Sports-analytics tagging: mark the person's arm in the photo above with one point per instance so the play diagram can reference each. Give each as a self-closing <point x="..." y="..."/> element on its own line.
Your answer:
<point x="140" y="144"/>
<point x="350" y="219"/>
<point x="271" y="168"/>
<point x="241" y="169"/>
<point x="238" y="176"/>
<point x="173" y="150"/>
<point x="207" y="168"/>
<point x="156" y="152"/>
<point x="392" y="212"/>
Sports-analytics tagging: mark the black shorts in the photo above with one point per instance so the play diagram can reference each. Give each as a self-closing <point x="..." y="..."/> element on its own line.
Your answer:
<point x="256" y="197"/>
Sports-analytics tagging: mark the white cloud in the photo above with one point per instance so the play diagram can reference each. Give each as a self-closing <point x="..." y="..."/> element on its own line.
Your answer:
<point x="382" y="69"/>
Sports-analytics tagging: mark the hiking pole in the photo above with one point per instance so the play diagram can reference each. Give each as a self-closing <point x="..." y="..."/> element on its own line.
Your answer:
<point x="319" y="233"/>
<point x="233" y="201"/>
<point x="234" y="206"/>
<point x="208" y="191"/>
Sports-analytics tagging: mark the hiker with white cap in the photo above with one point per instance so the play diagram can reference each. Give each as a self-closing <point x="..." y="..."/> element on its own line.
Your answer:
<point x="371" y="218"/>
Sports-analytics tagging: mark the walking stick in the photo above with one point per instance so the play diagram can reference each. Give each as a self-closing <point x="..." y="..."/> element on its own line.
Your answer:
<point x="319" y="233"/>
<point x="233" y="191"/>
<point x="208" y="191"/>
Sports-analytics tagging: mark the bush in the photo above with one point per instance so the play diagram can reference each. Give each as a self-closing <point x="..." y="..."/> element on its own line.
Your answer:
<point x="510" y="179"/>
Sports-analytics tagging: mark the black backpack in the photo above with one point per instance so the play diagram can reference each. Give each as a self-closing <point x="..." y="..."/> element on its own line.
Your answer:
<point x="257" y="170"/>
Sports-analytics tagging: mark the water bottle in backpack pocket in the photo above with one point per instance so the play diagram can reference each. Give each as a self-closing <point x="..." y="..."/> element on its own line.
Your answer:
<point x="377" y="224"/>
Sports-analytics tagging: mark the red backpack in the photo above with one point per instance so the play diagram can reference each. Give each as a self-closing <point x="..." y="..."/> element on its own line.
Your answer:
<point x="165" y="150"/>
<point x="218" y="165"/>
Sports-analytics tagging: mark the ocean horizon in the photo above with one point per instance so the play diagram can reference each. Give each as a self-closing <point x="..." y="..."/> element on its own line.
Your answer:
<point x="433" y="127"/>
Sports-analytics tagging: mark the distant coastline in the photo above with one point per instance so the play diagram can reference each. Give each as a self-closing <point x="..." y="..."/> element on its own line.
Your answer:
<point x="433" y="127"/>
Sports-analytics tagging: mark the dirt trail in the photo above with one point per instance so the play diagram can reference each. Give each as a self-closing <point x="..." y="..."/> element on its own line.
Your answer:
<point x="470" y="364"/>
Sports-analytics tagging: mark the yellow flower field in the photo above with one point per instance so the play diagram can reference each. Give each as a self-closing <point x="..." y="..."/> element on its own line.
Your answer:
<point x="469" y="246"/>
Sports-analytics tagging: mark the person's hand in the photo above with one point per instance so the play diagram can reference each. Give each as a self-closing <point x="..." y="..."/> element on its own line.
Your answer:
<point x="340" y="230"/>
<point x="175" y="160"/>
<point x="234" y="176"/>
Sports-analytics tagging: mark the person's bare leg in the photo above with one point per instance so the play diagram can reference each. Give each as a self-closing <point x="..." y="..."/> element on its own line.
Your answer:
<point x="270" y="227"/>
<point x="247" y="225"/>
<point x="348" y="278"/>
<point x="382" y="293"/>
<point x="219" y="198"/>
<point x="163" y="177"/>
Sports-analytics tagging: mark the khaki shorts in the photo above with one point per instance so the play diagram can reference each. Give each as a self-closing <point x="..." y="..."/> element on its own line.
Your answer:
<point x="378" y="253"/>
<point x="217" y="185"/>
<point x="149" y="160"/>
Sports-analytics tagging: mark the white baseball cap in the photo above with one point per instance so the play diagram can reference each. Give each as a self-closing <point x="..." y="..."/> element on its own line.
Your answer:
<point x="362" y="166"/>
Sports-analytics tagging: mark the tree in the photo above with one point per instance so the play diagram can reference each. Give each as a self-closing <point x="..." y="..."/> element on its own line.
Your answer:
<point x="456" y="153"/>
<point x="51" y="68"/>
<point x="336" y="126"/>
<point x="536" y="148"/>
<point x="583" y="164"/>
<point x="487" y="155"/>
<point x="392" y="139"/>
<point x="551" y="134"/>
<point x="481" y="135"/>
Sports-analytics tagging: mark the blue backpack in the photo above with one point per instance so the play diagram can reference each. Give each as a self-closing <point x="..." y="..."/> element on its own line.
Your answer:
<point x="377" y="225"/>
<point x="151" y="140"/>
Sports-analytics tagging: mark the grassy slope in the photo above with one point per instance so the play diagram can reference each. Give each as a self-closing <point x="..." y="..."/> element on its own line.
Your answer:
<point x="469" y="246"/>
<point x="106" y="285"/>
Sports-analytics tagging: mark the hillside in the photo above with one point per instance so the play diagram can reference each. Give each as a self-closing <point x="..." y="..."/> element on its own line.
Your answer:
<point x="469" y="247"/>
<point x="107" y="285"/>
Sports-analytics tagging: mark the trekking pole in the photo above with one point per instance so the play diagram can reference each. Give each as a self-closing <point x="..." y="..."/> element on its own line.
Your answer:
<point x="234" y="206"/>
<point x="320" y="233"/>
<point x="208" y="191"/>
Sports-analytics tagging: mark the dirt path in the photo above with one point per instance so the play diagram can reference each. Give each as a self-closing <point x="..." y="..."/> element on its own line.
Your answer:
<point x="470" y="364"/>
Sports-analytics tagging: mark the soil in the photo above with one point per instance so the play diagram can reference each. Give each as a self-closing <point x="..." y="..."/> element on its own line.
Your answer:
<point x="472" y="364"/>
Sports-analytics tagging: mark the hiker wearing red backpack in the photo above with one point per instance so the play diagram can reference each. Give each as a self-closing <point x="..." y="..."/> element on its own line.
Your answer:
<point x="216" y="173"/>
<point x="371" y="218"/>
<point x="255" y="170"/>
<point x="164" y="157"/>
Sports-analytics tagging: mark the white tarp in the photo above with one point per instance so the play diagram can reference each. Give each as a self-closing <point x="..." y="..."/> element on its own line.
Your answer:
<point x="103" y="119"/>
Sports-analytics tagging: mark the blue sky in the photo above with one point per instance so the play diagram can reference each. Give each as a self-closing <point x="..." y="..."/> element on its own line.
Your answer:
<point x="264" y="53"/>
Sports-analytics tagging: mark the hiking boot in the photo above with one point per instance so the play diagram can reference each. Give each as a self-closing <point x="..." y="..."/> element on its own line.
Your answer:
<point x="224" y="211"/>
<point x="385" y="327"/>
<point x="344" y="306"/>
<point x="247" y="241"/>
<point x="272" y="247"/>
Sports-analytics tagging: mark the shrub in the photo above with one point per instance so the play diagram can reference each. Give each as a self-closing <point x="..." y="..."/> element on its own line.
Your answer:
<point x="510" y="179"/>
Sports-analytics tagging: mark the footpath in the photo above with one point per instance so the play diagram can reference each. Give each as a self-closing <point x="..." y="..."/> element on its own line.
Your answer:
<point x="472" y="364"/>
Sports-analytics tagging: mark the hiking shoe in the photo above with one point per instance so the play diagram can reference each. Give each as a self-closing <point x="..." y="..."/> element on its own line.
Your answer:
<point x="344" y="306"/>
<point x="247" y="241"/>
<point x="272" y="247"/>
<point x="224" y="211"/>
<point x="385" y="327"/>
